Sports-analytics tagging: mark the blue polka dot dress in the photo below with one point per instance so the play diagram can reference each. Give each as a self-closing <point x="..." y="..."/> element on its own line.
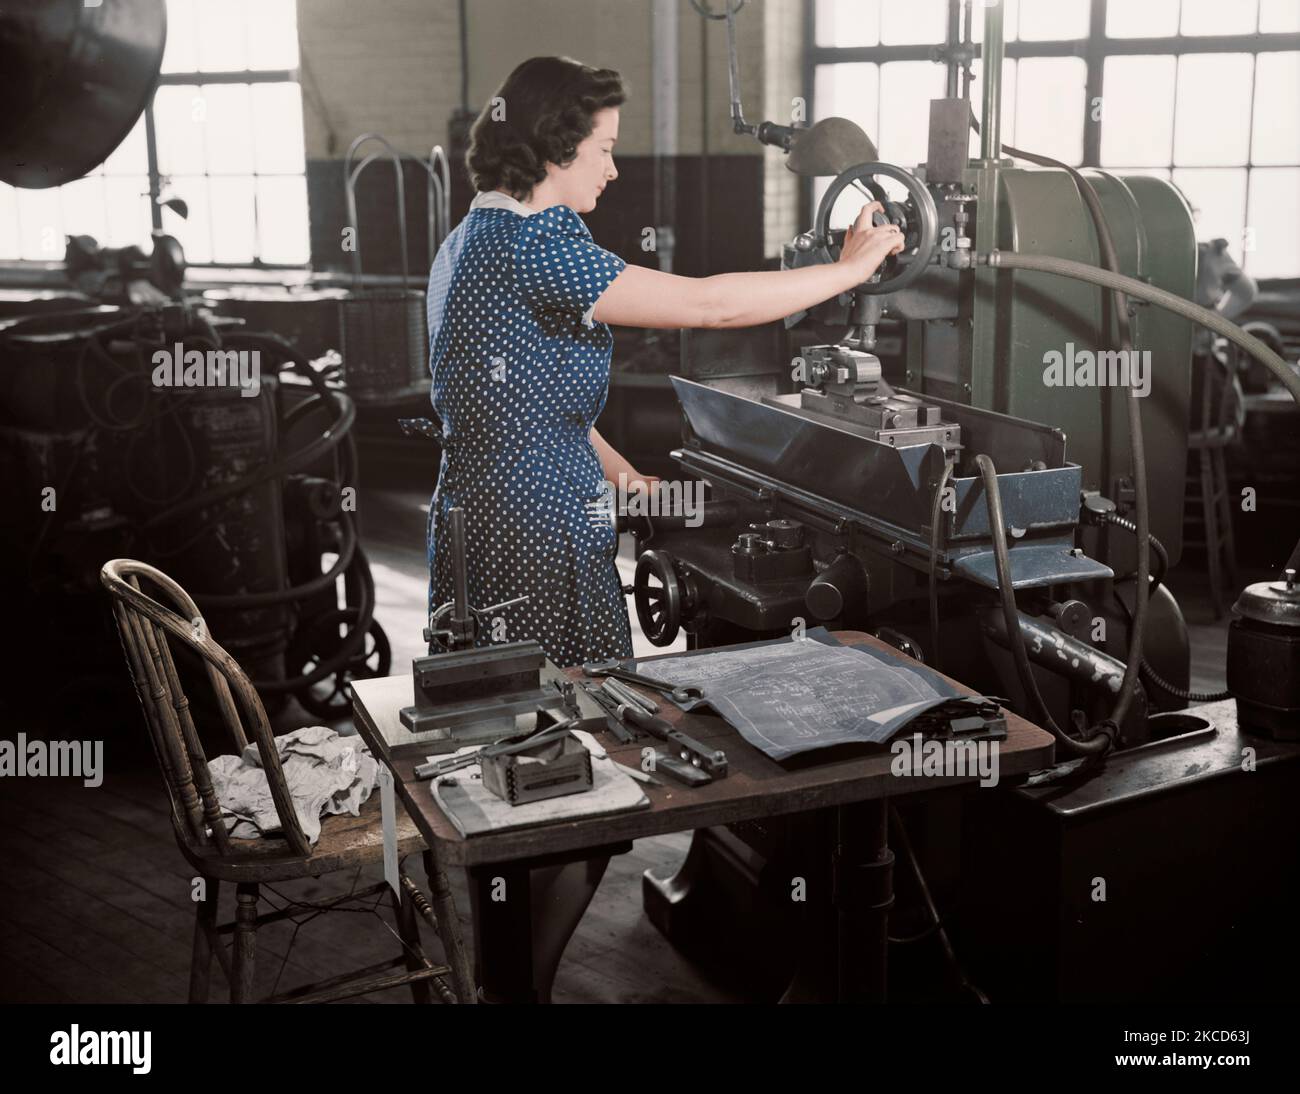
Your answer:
<point x="520" y="374"/>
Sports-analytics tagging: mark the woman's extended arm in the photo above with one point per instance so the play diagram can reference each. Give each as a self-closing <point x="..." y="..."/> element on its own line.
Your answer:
<point x="641" y="297"/>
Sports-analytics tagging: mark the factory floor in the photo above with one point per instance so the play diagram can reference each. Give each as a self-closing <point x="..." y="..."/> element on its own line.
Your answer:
<point x="95" y="899"/>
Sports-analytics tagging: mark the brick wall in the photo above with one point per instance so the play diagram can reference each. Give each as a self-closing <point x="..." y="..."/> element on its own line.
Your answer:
<point x="394" y="68"/>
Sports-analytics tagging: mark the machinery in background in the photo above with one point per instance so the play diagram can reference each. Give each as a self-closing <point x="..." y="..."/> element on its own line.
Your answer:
<point x="126" y="275"/>
<point x="993" y="518"/>
<point x="248" y="501"/>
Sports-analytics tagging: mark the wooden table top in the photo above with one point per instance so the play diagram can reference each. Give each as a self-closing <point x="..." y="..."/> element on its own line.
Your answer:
<point x="754" y="787"/>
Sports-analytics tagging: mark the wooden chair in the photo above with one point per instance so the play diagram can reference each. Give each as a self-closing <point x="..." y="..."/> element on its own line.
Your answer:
<point x="145" y="626"/>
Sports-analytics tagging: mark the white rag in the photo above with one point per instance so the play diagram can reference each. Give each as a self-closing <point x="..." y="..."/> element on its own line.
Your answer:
<point x="326" y="774"/>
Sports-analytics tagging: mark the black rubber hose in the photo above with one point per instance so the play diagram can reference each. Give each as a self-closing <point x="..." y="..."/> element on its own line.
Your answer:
<point x="349" y="644"/>
<point x="1103" y="740"/>
<point x="1162" y="557"/>
<point x="329" y="439"/>
<point x="1157" y="548"/>
<point x="1181" y="693"/>
<point x="245" y="601"/>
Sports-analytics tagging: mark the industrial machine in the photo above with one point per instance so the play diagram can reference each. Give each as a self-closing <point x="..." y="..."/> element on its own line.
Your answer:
<point x="991" y="508"/>
<point x="243" y="500"/>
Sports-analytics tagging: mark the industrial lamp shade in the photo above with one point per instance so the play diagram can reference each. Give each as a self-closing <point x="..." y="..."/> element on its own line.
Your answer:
<point x="74" y="77"/>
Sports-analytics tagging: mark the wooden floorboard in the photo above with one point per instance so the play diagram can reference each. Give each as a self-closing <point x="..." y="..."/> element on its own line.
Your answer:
<point x="95" y="896"/>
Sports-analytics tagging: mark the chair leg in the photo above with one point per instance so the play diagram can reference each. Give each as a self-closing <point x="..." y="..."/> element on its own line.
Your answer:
<point x="408" y="930"/>
<point x="205" y="922"/>
<point x="241" y="980"/>
<point x="1225" y="502"/>
<point x="453" y="944"/>
<point x="1212" y="543"/>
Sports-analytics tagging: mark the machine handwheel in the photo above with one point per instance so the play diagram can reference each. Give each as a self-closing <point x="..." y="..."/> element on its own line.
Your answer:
<point x="917" y="216"/>
<point x="331" y="697"/>
<point x="657" y="593"/>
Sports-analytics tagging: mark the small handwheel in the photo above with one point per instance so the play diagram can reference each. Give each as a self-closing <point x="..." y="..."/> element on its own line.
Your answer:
<point x="331" y="696"/>
<point x="657" y="593"/>
<point x="917" y="217"/>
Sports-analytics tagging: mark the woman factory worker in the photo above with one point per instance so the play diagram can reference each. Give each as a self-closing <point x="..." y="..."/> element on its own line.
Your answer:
<point x="519" y="299"/>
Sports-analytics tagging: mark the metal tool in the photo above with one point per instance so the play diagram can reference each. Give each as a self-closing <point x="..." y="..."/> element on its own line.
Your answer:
<point x="683" y="693"/>
<point x="624" y="693"/>
<point x="505" y="747"/>
<point x="966" y="718"/>
<point x="638" y="774"/>
<point x="712" y="761"/>
<point x="548" y="767"/>
<point x="621" y="733"/>
<point x="681" y="770"/>
<point x="474" y="696"/>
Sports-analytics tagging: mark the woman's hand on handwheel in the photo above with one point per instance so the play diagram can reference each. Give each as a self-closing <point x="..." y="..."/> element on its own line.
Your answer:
<point x="866" y="246"/>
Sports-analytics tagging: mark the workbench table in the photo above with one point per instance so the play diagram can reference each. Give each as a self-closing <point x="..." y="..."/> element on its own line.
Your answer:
<point x="549" y="873"/>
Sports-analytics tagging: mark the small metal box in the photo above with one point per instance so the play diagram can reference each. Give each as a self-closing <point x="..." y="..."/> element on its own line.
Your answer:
<point x="550" y="770"/>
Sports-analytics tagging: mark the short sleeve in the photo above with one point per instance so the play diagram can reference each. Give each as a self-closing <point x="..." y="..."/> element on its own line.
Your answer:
<point x="558" y="266"/>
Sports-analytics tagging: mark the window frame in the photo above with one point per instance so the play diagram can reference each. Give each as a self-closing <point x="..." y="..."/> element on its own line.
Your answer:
<point x="243" y="76"/>
<point x="1093" y="49"/>
<point x="155" y="178"/>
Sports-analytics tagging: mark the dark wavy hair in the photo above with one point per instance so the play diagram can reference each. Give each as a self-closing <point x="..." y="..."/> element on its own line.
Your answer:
<point x="541" y="113"/>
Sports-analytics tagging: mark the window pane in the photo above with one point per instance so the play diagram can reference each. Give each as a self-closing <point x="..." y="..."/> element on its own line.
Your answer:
<point x="181" y="53"/>
<point x="232" y="219"/>
<point x="923" y="21"/>
<point x="1275" y="216"/>
<point x="846" y="23"/>
<point x="223" y="35"/>
<point x="1146" y="19"/>
<point x="1049" y="106"/>
<point x="131" y="157"/>
<point x="906" y="88"/>
<point x="273" y="35"/>
<point x="1137" y="122"/>
<point x="1276" y="136"/>
<point x="1052" y="20"/>
<point x="10" y="247"/>
<point x="1154" y="172"/>
<point x="178" y="117"/>
<point x="849" y="91"/>
<point x="277" y="129"/>
<point x="227" y="129"/>
<point x="282" y="219"/>
<point x="195" y="232"/>
<point x="1218" y="200"/>
<point x="1010" y="20"/>
<point x="1279" y="16"/>
<point x="40" y="225"/>
<point x="127" y="211"/>
<point x="82" y="203"/>
<point x="1008" y="101"/>
<point x="1213" y="105"/>
<point x="1218" y="17"/>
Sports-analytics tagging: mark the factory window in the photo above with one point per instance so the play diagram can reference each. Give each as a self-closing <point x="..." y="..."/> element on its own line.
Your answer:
<point x="1200" y="92"/>
<point x="227" y="133"/>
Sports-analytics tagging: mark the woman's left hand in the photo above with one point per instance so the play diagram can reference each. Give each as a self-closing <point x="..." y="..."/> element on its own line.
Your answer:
<point x="643" y="484"/>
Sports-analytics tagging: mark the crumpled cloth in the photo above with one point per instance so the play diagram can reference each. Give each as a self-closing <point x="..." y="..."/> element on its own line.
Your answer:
<point x="326" y="774"/>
